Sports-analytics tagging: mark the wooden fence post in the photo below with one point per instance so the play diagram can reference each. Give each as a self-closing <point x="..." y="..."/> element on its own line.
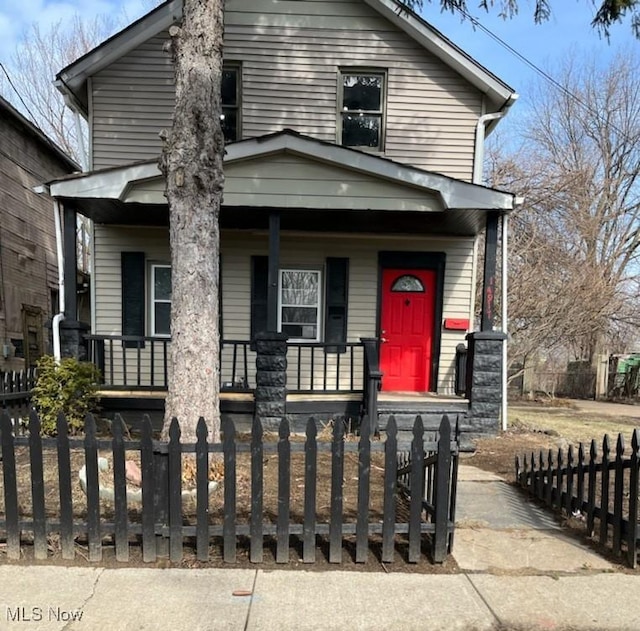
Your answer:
<point x="149" y="550"/>
<point x="284" y="492"/>
<point x="617" y="496"/>
<point x="37" y="488"/>
<point x="175" y="491"/>
<point x="443" y="486"/>
<point x="591" y="491"/>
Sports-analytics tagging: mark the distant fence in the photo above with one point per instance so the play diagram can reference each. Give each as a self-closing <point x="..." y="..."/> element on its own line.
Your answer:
<point x="164" y="523"/>
<point x="593" y="486"/>
<point x="15" y="389"/>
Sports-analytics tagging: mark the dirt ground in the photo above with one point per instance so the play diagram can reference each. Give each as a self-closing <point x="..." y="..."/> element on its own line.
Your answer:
<point x="532" y="427"/>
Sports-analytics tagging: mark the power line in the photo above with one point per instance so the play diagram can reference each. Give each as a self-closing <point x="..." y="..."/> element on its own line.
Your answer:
<point x="26" y="107"/>
<point x="476" y="23"/>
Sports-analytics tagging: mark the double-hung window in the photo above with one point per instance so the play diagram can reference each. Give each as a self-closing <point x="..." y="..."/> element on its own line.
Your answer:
<point x="230" y="92"/>
<point x="362" y="102"/>
<point x="299" y="308"/>
<point x="160" y="300"/>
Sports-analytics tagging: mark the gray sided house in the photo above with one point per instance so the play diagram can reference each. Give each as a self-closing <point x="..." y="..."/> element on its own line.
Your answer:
<point x="28" y="263"/>
<point x="350" y="216"/>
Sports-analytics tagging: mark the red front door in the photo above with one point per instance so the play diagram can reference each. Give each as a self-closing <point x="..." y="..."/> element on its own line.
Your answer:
<point x="408" y="306"/>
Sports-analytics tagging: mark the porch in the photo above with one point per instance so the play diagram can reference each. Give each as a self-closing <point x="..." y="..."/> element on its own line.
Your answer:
<point x="319" y="383"/>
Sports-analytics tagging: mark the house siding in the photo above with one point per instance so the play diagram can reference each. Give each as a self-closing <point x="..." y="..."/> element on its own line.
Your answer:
<point x="299" y="251"/>
<point x="28" y="265"/>
<point x="290" y="54"/>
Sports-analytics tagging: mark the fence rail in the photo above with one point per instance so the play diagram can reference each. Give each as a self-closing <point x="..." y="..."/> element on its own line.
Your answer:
<point x="592" y="486"/>
<point x="163" y="526"/>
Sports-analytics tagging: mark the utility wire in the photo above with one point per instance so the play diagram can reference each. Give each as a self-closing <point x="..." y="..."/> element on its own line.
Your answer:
<point x="545" y="75"/>
<point x="26" y="107"/>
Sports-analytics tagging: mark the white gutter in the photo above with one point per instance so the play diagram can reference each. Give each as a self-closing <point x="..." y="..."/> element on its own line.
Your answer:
<point x="55" y="323"/>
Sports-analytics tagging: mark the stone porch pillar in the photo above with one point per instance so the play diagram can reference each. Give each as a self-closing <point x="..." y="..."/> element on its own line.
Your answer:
<point x="271" y="378"/>
<point x="484" y="380"/>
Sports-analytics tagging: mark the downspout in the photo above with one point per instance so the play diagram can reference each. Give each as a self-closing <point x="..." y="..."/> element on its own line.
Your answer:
<point x="55" y="323"/>
<point x="505" y="233"/>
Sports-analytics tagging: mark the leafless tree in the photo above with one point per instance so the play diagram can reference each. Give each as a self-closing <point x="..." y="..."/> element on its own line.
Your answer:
<point x="575" y="244"/>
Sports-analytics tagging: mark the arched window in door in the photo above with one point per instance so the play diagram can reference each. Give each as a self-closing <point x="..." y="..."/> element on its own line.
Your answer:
<point x="408" y="283"/>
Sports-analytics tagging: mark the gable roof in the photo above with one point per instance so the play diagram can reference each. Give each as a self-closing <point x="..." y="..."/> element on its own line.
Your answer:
<point x="136" y="191"/>
<point x="72" y="80"/>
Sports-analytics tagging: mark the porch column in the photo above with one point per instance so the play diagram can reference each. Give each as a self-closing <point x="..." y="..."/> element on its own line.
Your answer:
<point x="484" y="380"/>
<point x="72" y="342"/>
<point x="489" y="279"/>
<point x="271" y="378"/>
<point x="70" y="268"/>
<point x="274" y="267"/>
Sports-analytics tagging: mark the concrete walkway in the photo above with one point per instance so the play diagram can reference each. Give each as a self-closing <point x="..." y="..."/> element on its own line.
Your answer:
<point x="519" y="572"/>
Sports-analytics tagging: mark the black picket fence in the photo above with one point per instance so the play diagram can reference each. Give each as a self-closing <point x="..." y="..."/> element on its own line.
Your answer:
<point x="16" y="386"/>
<point x="165" y="523"/>
<point x="591" y="486"/>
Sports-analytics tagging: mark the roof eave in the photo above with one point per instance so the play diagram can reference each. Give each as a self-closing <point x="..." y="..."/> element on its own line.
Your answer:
<point x="500" y="96"/>
<point x="72" y="80"/>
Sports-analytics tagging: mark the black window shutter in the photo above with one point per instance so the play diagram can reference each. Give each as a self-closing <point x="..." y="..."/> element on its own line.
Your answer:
<point x="335" y="317"/>
<point x="259" y="288"/>
<point x="133" y="295"/>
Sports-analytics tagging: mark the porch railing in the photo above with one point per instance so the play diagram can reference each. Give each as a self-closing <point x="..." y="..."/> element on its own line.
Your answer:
<point x="372" y="379"/>
<point x="141" y="363"/>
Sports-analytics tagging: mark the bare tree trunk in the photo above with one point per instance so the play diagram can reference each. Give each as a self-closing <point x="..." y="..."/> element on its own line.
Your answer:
<point x="192" y="164"/>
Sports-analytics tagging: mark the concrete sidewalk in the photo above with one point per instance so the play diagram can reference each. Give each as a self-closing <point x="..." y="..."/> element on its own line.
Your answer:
<point x="519" y="571"/>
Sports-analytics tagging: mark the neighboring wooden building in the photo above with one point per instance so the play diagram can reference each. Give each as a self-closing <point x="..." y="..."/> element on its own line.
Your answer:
<point x="28" y="263"/>
<point x="355" y="134"/>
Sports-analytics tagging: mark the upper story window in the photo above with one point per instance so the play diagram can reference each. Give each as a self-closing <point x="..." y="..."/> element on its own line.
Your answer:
<point x="230" y="89"/>
<point x="362" y="108"/>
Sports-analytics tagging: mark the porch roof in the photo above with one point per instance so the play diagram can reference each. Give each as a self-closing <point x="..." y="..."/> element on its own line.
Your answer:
<point x="296" y="174"/>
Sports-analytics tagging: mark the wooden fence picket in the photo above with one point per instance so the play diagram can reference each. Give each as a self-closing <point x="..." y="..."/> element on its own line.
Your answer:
<point x="9" y="476"/>
<point x="310" y="491"/>
<point x="64" y="488"/>
<point x="604" y="490"/>
<point x="442" y="494"/>
<point x="617" y="496"/>
<point x="389" y="507"/>
<point x="229" y="519"/>
<point x="37" y="488"/>
<point x="120" y="504"/>
<point x="337" y="476"/>
<point x="175" y="491"/>
<point x="93" y="489"/>
<point x="202" y="491"/>
<point x="634" y="489"/>
<point x="284" y="492"/>
<point x="417" y="490"/>
<point x="257" y="491"/>
<point x="364" y="481"/>
<point x="149" y="549"/>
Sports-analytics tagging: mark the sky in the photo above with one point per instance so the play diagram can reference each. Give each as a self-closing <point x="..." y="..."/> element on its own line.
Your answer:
<point x="568" y="29"/>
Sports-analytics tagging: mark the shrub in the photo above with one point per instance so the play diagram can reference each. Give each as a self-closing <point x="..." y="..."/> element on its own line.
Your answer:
<point x="69" y="387"/>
